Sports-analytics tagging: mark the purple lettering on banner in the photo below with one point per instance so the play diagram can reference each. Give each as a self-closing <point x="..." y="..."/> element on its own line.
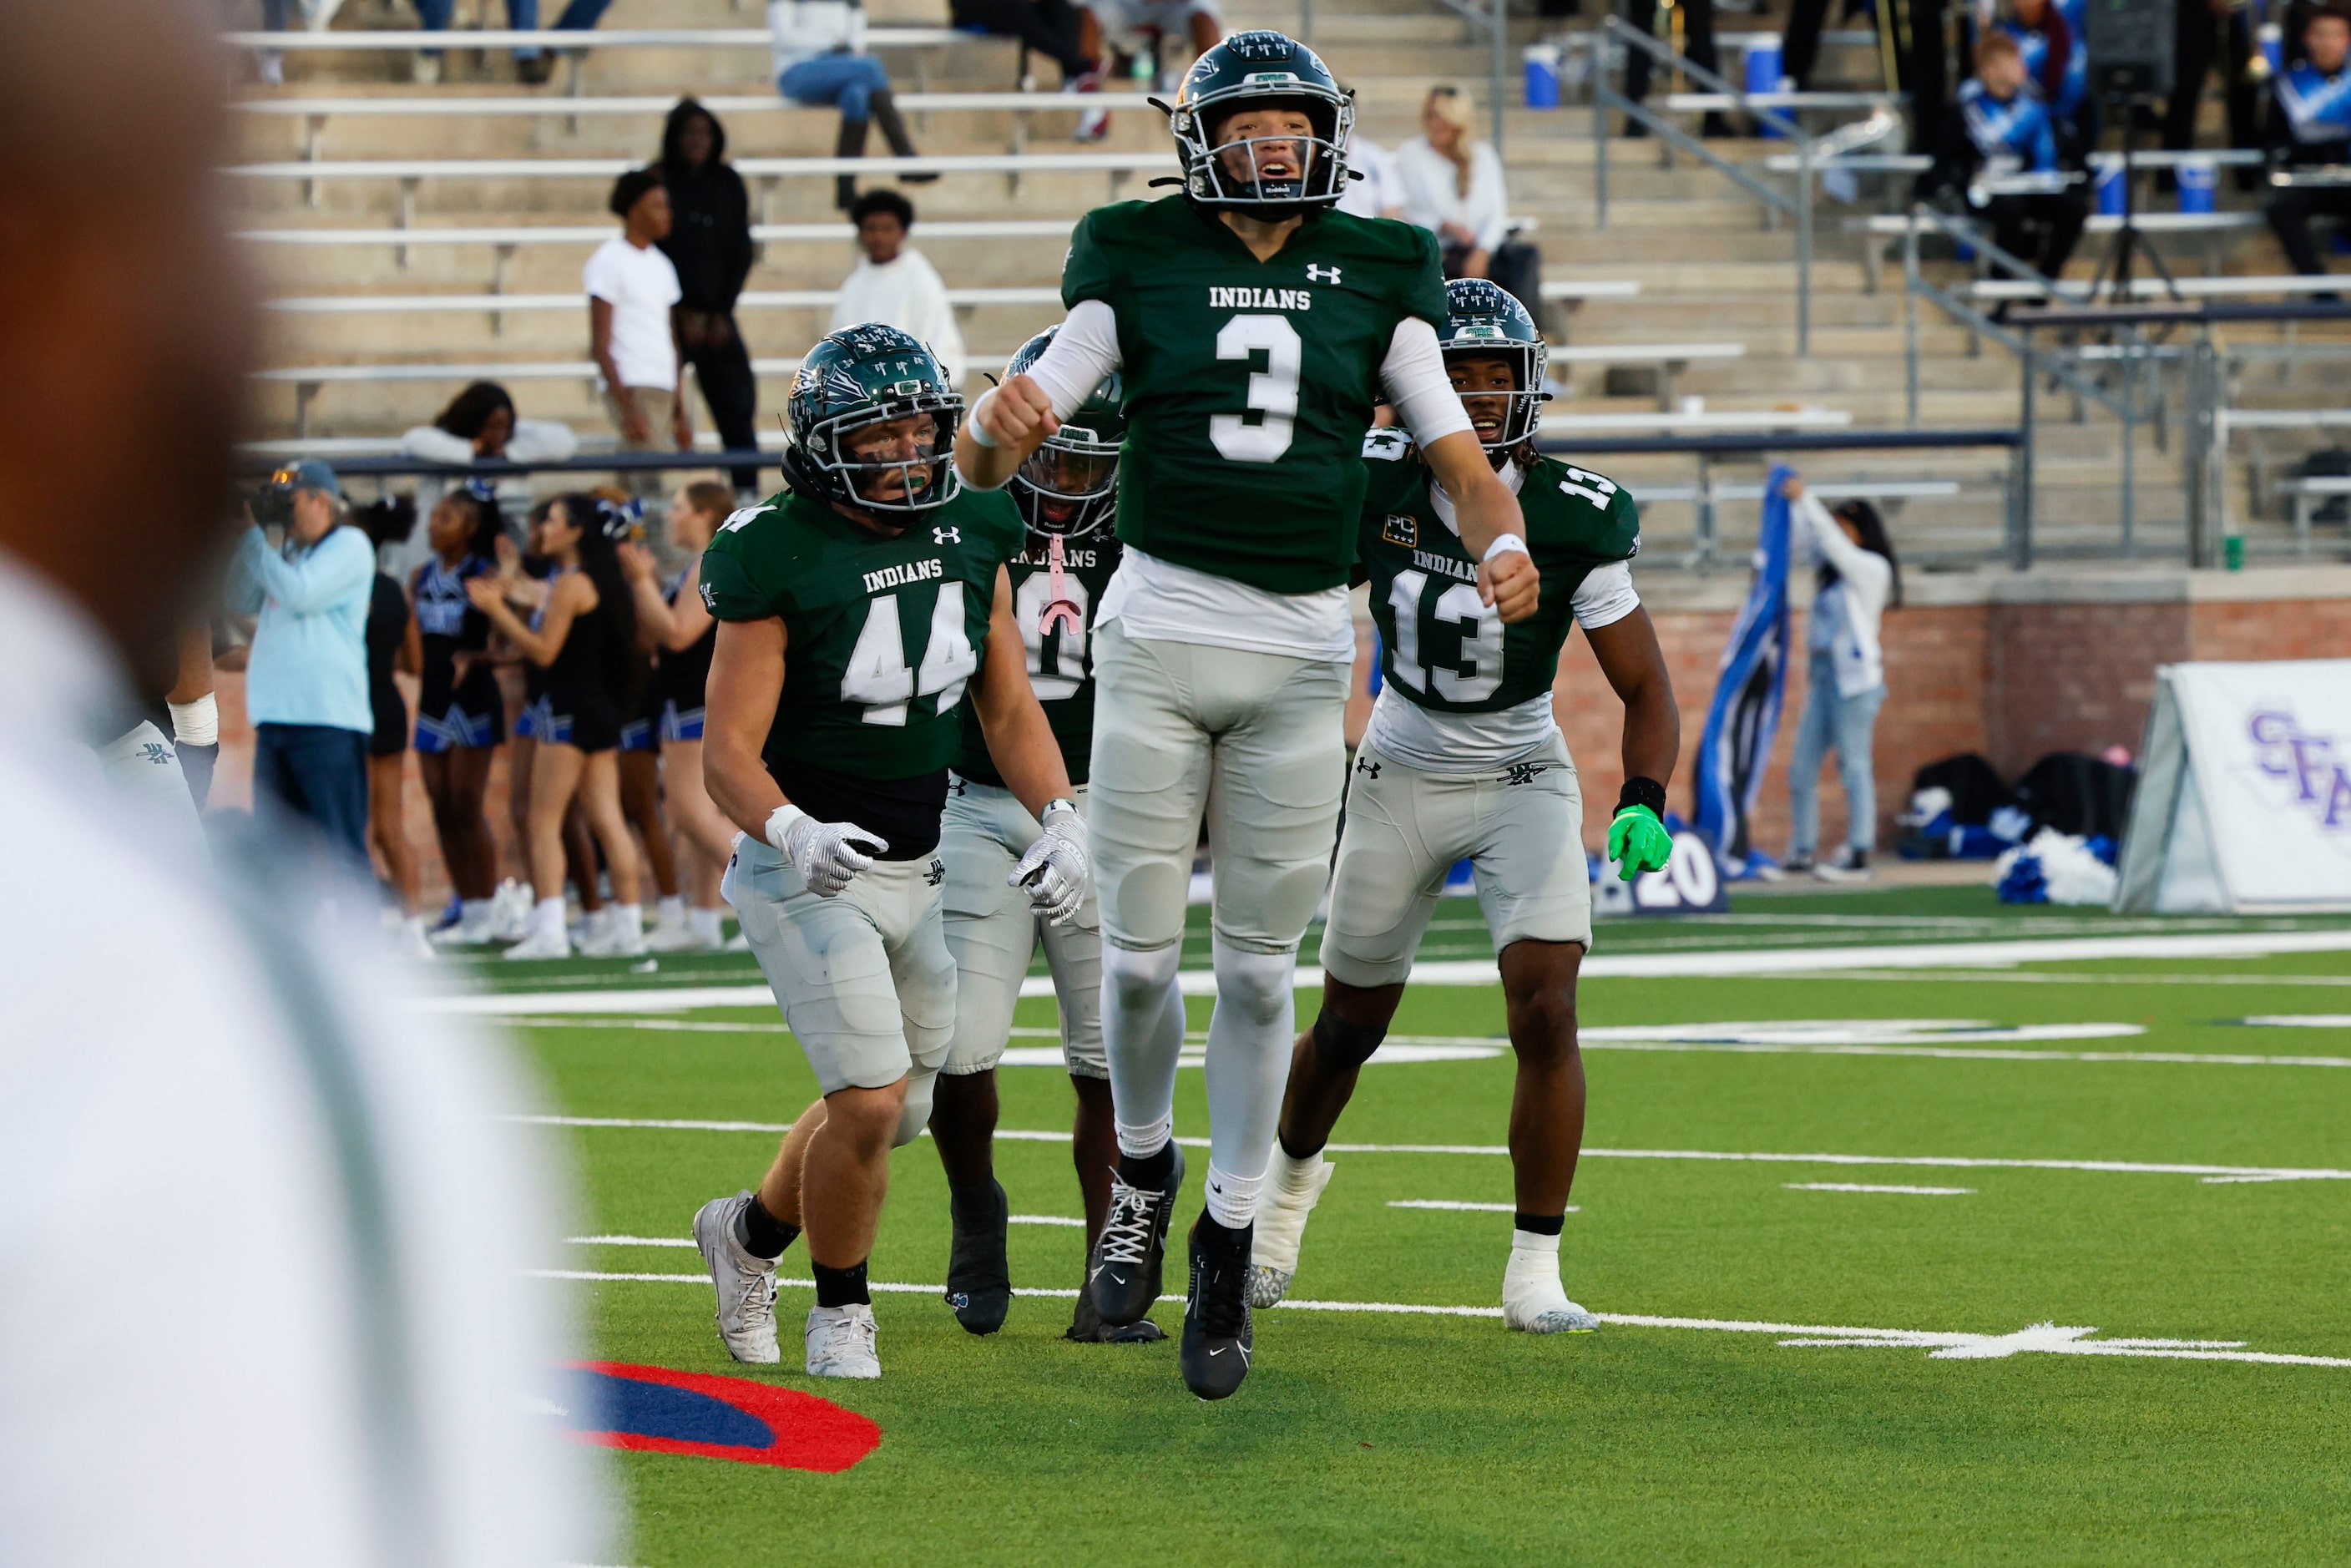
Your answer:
<point x="2339" y="800"/>
<point x="2283" y="750"/>
<point x="2270" y="730"/>
<point x="2309" y="758"/>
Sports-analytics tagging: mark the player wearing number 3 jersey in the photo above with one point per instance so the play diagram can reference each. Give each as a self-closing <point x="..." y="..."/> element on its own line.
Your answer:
<point x="1253" y="327"/>
<point x="1463" y="760"/>
<point x="859" y="614"/>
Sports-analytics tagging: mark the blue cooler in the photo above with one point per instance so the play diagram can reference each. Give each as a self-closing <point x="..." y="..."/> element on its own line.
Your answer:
<point x="2109" y="187"/>
<point x="2199" y="178"/>
<point x="1764" y="74"/>
<point x="1543" y="75"/>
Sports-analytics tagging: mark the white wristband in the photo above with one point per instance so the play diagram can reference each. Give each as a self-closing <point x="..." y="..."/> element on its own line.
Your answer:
<point x="972" y="423"/>
<point x="1504" y="546"/>
<point x="196" y="723"/>
<point x="779" y="825"/>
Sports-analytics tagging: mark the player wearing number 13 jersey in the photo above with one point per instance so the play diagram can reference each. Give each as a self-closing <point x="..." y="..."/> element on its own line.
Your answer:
<point x="1252" y="328"/>
<point x="1463" y="759"/>
<point x="859" y="614"/>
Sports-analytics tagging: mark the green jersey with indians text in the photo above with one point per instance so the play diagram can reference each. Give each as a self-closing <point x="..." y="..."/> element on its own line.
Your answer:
<point x="1060" y="668"/>
<point x="1441" y="648"/>
<point x="882" y="637"/>
<point x="1249" y="382"/>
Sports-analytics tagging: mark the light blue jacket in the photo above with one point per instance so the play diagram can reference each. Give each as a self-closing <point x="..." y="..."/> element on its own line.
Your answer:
<point x="309" y="653"/>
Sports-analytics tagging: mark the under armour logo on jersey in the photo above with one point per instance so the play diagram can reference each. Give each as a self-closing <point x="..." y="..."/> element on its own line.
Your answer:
<point x="946" y="536"/>
<point x="1524" y="772"/>
<point x="709" y="598"/>
<point x="1322" y="274"/>
<point x="1365" y="765"/>
<point x="154" y="753"/>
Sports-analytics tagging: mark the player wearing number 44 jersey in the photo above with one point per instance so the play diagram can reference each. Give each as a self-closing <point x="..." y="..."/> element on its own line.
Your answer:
<point x="1252" y="328"/>
<point x="857" y="614"/>
<point x="1463" y="759"/>
<point x="1065" y="493"/>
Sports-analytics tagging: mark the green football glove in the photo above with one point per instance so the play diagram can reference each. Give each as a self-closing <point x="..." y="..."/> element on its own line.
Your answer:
<point x="1639" y="841"/>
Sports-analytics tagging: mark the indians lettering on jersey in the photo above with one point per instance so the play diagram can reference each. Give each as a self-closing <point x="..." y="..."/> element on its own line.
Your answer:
<point x="1259" y="299"/>
<point x="896" y="576"/>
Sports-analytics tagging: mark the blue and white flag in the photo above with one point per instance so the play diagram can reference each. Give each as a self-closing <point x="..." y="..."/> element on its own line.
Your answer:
<point x="1745" y="714"/>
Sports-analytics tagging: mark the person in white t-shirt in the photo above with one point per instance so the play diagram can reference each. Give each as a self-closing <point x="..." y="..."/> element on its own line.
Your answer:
<point x="632" y="295"/>
<point x="896" y="285"/>
<point x="1380" y="193"/>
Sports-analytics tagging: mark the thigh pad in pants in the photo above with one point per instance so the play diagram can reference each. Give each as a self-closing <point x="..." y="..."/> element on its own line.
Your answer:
<point x="993" y="932"/>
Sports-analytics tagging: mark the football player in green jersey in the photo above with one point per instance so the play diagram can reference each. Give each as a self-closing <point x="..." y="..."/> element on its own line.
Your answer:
<point x="1065" y="493"/>
<point x="1253" y="328"/>
<point x="854" y="612"/>
<point x="1463" y="760"/>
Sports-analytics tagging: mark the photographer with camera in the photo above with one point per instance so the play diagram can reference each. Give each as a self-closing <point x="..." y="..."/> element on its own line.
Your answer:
<point x="306" y="683"/>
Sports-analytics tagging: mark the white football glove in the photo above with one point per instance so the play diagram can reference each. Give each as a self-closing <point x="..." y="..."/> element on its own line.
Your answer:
<point x="1054" y="870"/>
<point x="828" y="855"/>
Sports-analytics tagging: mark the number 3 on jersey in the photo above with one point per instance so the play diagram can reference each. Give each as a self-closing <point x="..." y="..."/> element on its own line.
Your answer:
<point x="877" y="675"/>
<point x="1480" y="633"/>
<point x="1272" y="391"/>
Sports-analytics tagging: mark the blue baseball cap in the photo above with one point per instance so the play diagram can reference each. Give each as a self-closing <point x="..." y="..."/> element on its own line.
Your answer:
<point x="307" y="475"/>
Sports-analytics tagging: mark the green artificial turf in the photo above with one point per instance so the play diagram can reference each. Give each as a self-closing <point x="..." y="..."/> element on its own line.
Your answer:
<point x="1386" y="1437"/>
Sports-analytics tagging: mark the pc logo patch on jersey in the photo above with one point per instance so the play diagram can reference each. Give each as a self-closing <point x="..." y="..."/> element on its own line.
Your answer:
<point x="1402" y="532"/>
<point x="654" y="1410"/>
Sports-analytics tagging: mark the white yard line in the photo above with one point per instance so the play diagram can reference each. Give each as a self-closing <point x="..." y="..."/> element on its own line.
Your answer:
<point x="2046" y="1338"/>
<point x="1472" y="1207"/>
<point x="1481" y="971"/>
<point x="2042" y="978"/>
<point x="2213" y="1174"/>
<point x="1867" y="1187"/>
<point x="2299" y="1020"/>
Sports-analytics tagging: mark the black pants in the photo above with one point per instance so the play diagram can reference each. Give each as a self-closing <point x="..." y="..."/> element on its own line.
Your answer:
<point x="713" y="347"/>
<point x="1515" y="267"/>
<point x="2041" y="229"/>
<point x="1048" y="26"/>
<point x="2291" y="211"/>
<point x="1800" y="45"/>
<point x="2202" y="37"/>
<point x="1698" y="41"/>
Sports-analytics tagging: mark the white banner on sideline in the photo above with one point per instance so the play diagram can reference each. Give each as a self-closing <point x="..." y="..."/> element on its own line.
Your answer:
<point x="2244" y="794"/>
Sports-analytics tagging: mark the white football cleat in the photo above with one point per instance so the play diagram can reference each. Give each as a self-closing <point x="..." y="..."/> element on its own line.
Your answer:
<point x="840" y="1341"/>
<point x="411" y="939"/>
<point x="1534" y="1302"/>
<point x="551" y="944"/>
<point x="510" y="909"/>
<point x="747" y="1285"/>
<point x="1292" y="1188"/>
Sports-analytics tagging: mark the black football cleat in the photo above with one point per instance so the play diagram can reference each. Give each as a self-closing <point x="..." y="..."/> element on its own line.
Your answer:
<point x="1122" y="1271"/>
<point x="1086" y="1327"/>
<point x="1217" y="1333"/>
<point x="979" y="1280"/>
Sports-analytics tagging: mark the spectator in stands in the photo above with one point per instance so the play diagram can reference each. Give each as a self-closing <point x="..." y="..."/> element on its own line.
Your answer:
<point x="584" y="638"/>
<point x="632" y="295"/>
<point x="480" y="424"/>
<point x="2310" y="126"/>
<point x="1050" y="27"/>
<point x="1858" y="581"/>
<point x="531" y="65"/>
<point x="1380" y="193"/>
<point x="1697" y="46"/>
<point x="820" y="58"/>
<point x="1111" y="33"/>
<point x="460" y="713"/>
<point x="1452" y="184"/>
<point x="2003" y="128"/>
<point x="2206" y="30"/>
<point x="709" y="243"/>
<point x="392" y="645"/>
<point x="896" y="285"/>
<point x="305" y="683"/>
<point x="2059" y="68"/>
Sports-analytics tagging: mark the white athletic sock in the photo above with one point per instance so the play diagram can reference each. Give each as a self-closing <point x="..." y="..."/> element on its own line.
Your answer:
<point x="703" y="924"/>
<point x="628" y="922"/>
<point x="597" y="924"/>
<point x="1143" y="1034"/>
<point x="1146" y="1140"/>
<point x="547" y="917"/>
<point x="473" y="914"/>
<point x="1232" y="1200"/>
<point x="415" y="924"/>
<point x="1249" y="1040"/>
<point x="670" y="913"/>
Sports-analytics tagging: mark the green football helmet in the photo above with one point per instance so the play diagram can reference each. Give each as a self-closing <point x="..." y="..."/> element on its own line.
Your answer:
<point x="1070" y="485"/>
<point x="858" y="377"/>
<point x="1261" y="69"/>
<point x="1482" y="321"/>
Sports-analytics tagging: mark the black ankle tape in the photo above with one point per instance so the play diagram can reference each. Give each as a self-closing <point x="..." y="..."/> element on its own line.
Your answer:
<point x="1341" y="1046"/>
<point x="841" y="1287"/>
<point x="1539" y="1224"/>
<point x="761" y="1233"/>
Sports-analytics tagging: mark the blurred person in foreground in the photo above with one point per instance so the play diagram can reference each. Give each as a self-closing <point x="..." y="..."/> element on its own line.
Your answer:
<point x="896" y="285"/>
<point x="348" y="1365"/>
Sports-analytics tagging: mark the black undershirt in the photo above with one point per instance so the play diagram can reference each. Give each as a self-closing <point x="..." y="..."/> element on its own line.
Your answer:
<point x="902" y="812"/>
